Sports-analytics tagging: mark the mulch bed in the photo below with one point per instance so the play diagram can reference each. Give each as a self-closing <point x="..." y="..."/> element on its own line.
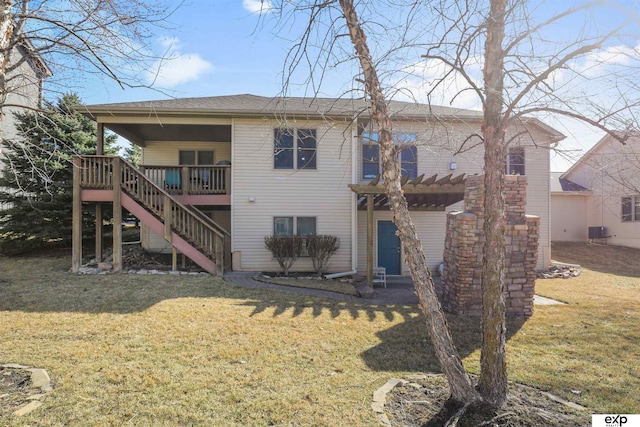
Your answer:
<point x="15" y="388"/>
<point x="423" y="403"/>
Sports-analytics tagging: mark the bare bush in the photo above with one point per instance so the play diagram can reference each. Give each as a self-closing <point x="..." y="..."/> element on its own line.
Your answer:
<point x="321" y="248"/>
<point x="285" y="249"/>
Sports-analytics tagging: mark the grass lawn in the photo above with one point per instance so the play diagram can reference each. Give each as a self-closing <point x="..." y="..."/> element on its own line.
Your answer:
<point x="192" y="350"/>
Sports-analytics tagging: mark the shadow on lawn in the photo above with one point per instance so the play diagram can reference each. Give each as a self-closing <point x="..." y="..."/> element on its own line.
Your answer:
<point x="407" y="347"/>
<point x="286" y="301"/>
<point x="40" y="284"/>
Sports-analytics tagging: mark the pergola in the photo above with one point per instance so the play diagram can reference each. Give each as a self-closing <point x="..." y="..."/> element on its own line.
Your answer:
<point x="430" y="194"/>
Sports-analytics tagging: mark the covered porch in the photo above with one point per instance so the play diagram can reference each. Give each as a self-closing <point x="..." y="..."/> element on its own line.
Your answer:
<point x="422" y="194"/>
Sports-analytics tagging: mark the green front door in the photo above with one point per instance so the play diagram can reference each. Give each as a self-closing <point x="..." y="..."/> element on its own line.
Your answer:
<point x="388" y="247"/>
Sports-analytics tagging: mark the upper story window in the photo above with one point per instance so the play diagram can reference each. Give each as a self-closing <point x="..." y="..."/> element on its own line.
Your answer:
<point x="631" y="208"/>
<point x="195" y="157"/>
<point x="295" y="149"/>
<point x="371" y="155"/>
<point x="515" y="161"/>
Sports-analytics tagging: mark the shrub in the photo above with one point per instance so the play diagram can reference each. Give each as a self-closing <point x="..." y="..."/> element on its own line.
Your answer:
<point x="321" y="249"/>
<point x="285" y="249"/>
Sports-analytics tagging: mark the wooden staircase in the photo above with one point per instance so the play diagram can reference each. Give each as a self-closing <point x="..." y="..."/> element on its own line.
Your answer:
<point x="188" y="230"/>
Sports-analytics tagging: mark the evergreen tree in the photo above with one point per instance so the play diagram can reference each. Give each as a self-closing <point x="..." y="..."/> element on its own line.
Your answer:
<point x="133" y="153"/>
<point x="36" y="181"/>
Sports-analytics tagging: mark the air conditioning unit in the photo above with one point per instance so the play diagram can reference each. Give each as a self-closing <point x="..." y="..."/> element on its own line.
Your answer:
<point x="598" y="232"/>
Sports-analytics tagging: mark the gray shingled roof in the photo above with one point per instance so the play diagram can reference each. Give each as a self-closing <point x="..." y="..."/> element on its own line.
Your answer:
<point x="247" y="105"/>
<point x="252" y="105"/>
<point x="559" y="184"/>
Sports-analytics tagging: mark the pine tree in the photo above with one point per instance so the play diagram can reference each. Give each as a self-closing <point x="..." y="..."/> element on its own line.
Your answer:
<point x="36" y="182"/>
<point x="133" y="153"/>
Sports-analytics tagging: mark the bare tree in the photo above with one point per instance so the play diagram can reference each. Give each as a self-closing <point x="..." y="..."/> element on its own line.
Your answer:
<point x="524" y="74"/>
<point x="508" y="55"/>
<point x="68" y="42"/>
<point x="76" y="39"/>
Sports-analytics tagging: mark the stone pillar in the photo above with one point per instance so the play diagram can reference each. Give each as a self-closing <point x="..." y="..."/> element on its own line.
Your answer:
<point x="461" y="289"/>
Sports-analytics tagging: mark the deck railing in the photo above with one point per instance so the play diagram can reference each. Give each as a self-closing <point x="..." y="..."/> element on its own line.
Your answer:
<point x="102" y="172"/>
<point x="191" y="179"/>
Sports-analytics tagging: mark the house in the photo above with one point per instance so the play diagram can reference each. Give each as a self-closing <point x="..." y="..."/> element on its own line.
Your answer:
<point x="601" y="196"/>
<point x="26" y="72"/>
<point x="257" y="166"/>
<point x="25" y="75"/>
<point x="568" y="209"/>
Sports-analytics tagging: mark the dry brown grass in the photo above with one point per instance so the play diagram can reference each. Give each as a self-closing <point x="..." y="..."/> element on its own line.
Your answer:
<point x="192" y="350"/>
<point x="337" y="286"/>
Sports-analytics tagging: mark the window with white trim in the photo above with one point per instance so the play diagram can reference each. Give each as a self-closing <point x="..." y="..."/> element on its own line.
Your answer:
<point x="300" y="226"/>
<point x="371" y="155"/>
<point x="195" y="157"/>
<point x="631" y="209"/>
<point x="294" y="148"/>
<point x="515" y="161"/>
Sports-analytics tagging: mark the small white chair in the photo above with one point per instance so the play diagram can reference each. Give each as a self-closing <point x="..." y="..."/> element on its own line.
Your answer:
<point x="380" y="276"/>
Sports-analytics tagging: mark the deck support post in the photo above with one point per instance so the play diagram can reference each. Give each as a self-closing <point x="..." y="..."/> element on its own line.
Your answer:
<point x="76" y="239"/>
<point x="117" y="216"/>
<point x="100" y="139"/>
<point x="99" y="233"/>
<point x="370" y="239"/>
<point x="174" y="259"/>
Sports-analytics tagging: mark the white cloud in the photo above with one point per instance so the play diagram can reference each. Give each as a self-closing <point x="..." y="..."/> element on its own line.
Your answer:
<point x="428" y="81"/>
<point x="595" y="62"/>
<point x="177" y="67"/>
<point x="257" y="6"/>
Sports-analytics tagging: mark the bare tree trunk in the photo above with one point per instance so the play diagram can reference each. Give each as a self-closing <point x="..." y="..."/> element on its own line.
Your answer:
<point x="493" y="374"/>
<point x="6" y="31"/>
<point x="462" y="390"/>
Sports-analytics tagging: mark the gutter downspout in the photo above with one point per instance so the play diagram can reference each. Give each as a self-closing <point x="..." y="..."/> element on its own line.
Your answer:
<point x="354" y="196"/>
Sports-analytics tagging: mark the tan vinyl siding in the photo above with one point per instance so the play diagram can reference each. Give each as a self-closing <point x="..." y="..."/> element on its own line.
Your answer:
<point x="538" y="198"/>
<point x="610" y="170"/>
<point x="322" y="193"/>
<point x="569" y="217"/>
<point x="436" y="148"/>
<point x="431" y="231"/>
<point x="166" y="154"/>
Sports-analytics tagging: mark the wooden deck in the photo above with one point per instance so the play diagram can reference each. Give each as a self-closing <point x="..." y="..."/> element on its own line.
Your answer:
<point x="113" y="179"/>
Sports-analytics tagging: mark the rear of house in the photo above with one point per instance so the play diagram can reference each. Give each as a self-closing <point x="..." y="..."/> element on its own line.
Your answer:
<point x="603" y="203"/>
<point x="261" y="166"/>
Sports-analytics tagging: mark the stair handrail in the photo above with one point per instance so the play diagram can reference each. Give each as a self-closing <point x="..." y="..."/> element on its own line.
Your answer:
<point x="157" y="201"/>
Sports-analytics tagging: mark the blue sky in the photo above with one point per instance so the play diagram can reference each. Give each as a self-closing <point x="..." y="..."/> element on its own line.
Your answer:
<point x="216" y="49"/>
<point x="223" y="47"/>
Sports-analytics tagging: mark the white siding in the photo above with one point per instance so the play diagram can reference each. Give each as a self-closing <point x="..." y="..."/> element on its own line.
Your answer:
<point x="431" y="232"/>
<point x="166" y="154"/>
<point x="436" y="148"/>
<point x="569" y="217"/>
<point x="322" y="193"/>
<point x="610" y="170"/>
<point x="23" y="90"/>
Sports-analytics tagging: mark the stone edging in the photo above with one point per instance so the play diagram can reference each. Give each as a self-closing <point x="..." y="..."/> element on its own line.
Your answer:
<point x="380" y="397"/>
<point x="142" y="271"/>
<point x="39" y="380"/>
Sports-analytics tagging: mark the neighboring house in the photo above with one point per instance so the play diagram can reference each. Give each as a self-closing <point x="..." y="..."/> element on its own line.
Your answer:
<point x="260" y="166"/>
<point x="26" y="72"/>
<point x="568" y="209"/>
<point x="25" y="75"/>
<point x="605" y="204"/>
